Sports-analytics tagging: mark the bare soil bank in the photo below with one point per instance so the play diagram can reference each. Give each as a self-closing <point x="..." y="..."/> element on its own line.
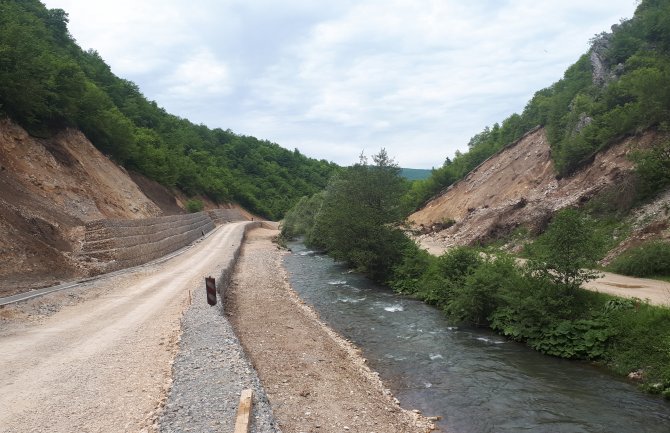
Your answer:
<point x="48" y="189"/>
<point x="315" y="380"/>
<point x="518" y="186"/>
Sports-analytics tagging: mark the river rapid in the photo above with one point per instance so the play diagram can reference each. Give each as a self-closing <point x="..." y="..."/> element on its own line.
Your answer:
<point x="475" y="380"/>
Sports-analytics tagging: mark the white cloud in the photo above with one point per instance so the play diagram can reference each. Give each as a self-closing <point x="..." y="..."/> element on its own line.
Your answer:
<point x="419" y="77"/>
<point x="199" y="76"/>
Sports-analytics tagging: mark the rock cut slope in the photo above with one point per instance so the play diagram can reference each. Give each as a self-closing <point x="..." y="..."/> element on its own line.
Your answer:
<point x="518" y="186"/>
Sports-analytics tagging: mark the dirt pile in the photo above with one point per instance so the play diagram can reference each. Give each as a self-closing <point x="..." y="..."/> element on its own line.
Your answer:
<point x="49" y="188"/>
<point x="518" y="187"/>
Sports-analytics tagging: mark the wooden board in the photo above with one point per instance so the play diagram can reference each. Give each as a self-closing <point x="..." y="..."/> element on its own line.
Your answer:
<point x="243" y="421"/>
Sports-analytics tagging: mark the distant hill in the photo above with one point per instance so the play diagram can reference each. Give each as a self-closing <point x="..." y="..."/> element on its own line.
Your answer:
<point x="415" y="173"/>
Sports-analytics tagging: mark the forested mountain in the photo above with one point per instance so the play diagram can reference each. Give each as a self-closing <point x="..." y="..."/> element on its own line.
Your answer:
<point x="47" y="83"/>
<point x="620" y="87"/>
<point x="415" y="173"/>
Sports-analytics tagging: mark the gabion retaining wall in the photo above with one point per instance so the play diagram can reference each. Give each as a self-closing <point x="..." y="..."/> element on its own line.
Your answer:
<point x="127" y="243"/>
<point x="221" y="216"/>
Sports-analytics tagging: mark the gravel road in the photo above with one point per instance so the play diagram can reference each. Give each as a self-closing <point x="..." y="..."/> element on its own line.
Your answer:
<point x="99" y="357"/>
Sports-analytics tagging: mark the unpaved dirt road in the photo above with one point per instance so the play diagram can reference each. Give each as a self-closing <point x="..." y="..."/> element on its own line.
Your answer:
<point x="103" y="364"/>
<point x="316" y="381"/>
<point x="656" y="291"/>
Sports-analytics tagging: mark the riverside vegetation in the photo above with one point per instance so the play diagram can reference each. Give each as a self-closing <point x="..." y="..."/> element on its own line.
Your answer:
<point x="540" y="303"/>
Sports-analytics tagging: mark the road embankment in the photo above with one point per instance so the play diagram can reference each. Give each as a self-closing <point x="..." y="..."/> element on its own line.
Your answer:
<point x="314" y="379"/>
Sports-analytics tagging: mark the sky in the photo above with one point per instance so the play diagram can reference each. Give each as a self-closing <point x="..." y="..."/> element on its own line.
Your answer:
<point x="334" y="78"/>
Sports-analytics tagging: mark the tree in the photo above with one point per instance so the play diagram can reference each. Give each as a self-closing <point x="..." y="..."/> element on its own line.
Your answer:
<point x="653" y="170"/>
<point x="566" y="251"/>
<point x="358" y="206"/>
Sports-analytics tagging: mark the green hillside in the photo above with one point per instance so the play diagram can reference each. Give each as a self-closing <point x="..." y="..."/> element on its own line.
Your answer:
<point x="47" y="82"/>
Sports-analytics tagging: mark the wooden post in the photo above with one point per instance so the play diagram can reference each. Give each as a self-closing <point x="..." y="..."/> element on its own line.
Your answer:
<point x="242" y="423"/>
<point x="210" y="285"/>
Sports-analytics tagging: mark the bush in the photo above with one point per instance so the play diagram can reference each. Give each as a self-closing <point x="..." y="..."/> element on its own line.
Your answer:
<point x="194" y="205"/>
<point x="650" y="259"/>
<point x="408" y="273"/>
<point x="653" y="170"/>
<point x="446" y="274"/>
<point x="574" y="339"/>
<point x="533" y="304"/>
<point x="641" y="341"/>
<point x="482" y="291"/>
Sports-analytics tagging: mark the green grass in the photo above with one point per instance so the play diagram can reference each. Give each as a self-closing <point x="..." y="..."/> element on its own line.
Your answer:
<point x="647" y="260"/>
<point x="641" y="341"/>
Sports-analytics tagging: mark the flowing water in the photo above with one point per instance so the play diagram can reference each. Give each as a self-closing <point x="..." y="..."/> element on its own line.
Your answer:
<point x="477" y="381"/>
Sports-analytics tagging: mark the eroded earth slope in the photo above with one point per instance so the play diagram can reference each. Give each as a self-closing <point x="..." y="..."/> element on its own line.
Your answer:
<point x="48" y="189"/>
<point x="516" y="187"/>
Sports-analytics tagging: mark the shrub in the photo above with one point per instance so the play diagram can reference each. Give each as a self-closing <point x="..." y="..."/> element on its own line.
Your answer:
<point x="653" y="170"/>
<point x="574" y="339"/>
<point x="565" y="252"/>
<point x="407" y="274"/>
<point x="650" y="259"/>
<point x="481" y="292"/>
<point x="641" y="341"/>
<point x="194" y="205"/>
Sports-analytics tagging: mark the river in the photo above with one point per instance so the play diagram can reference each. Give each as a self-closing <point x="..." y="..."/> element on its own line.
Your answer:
<point x="475" y="380"/>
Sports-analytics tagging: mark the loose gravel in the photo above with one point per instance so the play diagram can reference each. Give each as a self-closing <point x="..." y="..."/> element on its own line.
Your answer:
<point x="209" y="373"/>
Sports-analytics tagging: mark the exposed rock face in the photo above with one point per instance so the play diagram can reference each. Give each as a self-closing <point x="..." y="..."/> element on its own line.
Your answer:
<point x="518" y="186"/>
<point x="603" y="72"/>
<point x="600" y="69"/>
<point x="582" y="123"/>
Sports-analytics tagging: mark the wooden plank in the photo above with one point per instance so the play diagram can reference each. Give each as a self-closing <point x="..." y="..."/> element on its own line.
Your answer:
<point x="243" y="421"/>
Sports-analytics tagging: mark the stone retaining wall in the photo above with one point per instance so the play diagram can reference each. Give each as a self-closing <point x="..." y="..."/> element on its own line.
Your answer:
<point x="121" y="244"/>
<point x="221" y="216"/>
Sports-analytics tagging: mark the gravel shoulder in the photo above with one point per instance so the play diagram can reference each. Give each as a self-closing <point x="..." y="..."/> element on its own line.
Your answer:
<point x="315" y="380"/>
<point x="209" y="373"/>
